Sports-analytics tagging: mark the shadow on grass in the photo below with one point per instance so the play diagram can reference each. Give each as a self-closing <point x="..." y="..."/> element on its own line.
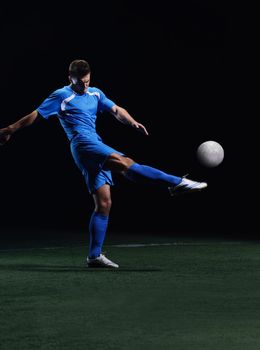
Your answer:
<point x="65" y="269"/>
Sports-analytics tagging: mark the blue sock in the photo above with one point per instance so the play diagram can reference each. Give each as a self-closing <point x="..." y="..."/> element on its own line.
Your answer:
<point x="147" y="175"/>
<point x="97" y="229"/>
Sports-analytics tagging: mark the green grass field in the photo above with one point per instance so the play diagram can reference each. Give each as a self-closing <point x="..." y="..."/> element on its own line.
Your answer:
<point x="188" y="295"/>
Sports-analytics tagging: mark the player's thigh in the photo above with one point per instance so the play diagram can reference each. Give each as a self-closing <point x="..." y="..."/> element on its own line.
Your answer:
<point x="117" y="163"/>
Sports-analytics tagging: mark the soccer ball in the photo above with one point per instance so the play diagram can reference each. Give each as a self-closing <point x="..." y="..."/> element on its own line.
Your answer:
<point x="210" y="154"/>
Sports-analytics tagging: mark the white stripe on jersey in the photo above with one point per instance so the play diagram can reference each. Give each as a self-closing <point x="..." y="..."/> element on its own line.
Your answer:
<point x="64" y="102"/>
<point x="94" y="93"/>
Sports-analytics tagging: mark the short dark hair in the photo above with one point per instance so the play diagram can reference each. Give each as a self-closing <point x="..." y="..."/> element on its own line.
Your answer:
<point x="79" y="68"/>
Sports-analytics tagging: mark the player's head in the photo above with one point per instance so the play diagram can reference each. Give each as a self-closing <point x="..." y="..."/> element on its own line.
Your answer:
<point x="79" y="75"/>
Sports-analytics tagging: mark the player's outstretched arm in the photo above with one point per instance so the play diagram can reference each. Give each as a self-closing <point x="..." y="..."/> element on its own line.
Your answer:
<point x="6" y="133"/>
<point x="124" y="117"/>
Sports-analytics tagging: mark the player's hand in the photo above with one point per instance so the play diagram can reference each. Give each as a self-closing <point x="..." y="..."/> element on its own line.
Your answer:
<point x="140" y="128"/>
<point x="5" y="135"/>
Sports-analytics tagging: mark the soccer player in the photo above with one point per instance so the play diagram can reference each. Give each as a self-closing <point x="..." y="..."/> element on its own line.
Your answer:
<point x="76" y="105"/>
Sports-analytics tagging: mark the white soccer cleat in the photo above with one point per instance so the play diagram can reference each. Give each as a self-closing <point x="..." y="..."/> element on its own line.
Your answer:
<point x="101" y="261"/>
<point x="187" y="186"/>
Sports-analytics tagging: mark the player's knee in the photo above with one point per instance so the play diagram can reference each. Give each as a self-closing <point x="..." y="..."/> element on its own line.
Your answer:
<point x="118" y="163"/>
<point x="126" y="163"/>
<point x="104" y="205"/>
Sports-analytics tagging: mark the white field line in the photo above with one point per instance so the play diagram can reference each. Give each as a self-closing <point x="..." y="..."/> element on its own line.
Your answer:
<point x="131" y="245"/>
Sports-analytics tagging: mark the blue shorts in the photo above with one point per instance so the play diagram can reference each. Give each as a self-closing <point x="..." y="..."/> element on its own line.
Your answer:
<point x="90" y="153"/>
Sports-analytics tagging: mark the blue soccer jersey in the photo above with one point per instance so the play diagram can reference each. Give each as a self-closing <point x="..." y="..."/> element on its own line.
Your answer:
<point x="77" y="115"/>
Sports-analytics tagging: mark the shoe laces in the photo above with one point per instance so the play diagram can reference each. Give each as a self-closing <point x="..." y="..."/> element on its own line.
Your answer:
<point x="104" y="258"/>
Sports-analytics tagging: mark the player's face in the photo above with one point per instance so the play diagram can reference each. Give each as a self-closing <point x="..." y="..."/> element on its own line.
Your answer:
<point x="80" y="85"/>
<point x="86" y="80"/>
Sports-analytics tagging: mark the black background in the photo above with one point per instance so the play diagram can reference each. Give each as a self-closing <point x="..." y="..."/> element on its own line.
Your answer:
<point x="177" y="67"/>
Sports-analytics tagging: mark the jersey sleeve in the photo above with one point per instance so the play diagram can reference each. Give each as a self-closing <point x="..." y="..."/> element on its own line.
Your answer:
<point x="51" y="105"/>
<point x="104" y="103"/>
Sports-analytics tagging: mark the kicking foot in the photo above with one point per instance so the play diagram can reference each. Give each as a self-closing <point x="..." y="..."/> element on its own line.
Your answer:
<point x="187" y="186"/>
<point x="101" y="261"/>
